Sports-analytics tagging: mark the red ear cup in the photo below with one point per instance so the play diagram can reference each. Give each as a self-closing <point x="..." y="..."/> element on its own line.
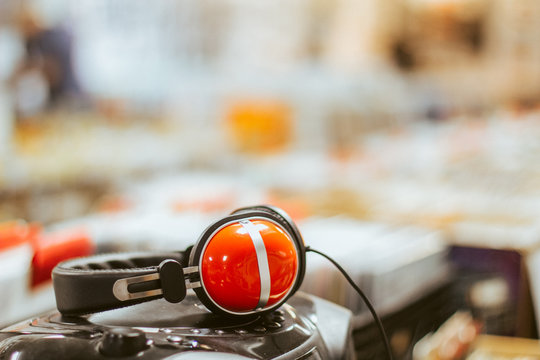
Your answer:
<point x="248" y="263"/>
<point x="282" y="218"/>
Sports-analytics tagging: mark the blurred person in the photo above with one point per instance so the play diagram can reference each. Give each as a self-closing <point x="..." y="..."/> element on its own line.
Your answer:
<point x="45" y="77"/>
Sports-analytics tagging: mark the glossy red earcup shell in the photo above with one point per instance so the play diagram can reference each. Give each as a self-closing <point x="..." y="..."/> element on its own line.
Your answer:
<point x="231" y="270"/>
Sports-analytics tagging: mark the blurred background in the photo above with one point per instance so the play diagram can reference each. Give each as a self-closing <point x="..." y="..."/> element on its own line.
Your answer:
<point x="402" y="133"/>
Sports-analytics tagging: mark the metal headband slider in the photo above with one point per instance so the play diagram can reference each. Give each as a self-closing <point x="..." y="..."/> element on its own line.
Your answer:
<point x="168" y="281"/>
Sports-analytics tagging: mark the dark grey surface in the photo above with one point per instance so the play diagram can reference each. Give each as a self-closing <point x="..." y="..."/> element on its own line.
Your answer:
<point x="304" y="328"/>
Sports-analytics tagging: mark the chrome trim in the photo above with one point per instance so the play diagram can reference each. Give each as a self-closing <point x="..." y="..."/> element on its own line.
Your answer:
<point x="193" y="285"/>
<point x="191" y="269"/>
<point x="262" y="261"/>
<point x="120" y="287"/>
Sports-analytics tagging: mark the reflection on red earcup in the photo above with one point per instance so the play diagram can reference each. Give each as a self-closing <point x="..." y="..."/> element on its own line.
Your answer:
<point x="249" y="265"/>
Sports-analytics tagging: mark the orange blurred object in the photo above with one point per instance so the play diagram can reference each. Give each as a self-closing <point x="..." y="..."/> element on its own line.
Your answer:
<point x="259" y="125"/>
<point x="12" y="234"/>
<point x="114" y="204"/>
<point x="52" y="248"/>
<point x="296" y="206"/>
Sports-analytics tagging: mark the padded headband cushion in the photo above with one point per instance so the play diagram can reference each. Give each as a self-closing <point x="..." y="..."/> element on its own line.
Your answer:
<point x="84" y="285"/>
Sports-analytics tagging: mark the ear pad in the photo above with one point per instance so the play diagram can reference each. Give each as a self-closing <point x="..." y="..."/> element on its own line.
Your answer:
<point x="249" y="262"/>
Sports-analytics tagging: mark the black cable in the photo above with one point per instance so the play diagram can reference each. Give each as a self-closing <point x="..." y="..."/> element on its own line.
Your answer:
<point x="363" y="296"/>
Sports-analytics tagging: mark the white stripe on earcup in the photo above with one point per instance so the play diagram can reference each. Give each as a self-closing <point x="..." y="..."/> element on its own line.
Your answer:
<point x="262" y="261"/>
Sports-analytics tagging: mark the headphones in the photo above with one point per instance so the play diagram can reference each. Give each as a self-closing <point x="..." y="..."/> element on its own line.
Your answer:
<point x="245" y="264"/>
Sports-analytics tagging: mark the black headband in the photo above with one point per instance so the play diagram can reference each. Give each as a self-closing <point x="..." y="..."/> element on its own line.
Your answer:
<point x="84" y="285"/>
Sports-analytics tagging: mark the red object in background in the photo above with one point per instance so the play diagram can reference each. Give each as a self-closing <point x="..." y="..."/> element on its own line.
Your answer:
<point x="12" y="234"/>
<point x="49" y="248"/>
<point x="52" y="248"/>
